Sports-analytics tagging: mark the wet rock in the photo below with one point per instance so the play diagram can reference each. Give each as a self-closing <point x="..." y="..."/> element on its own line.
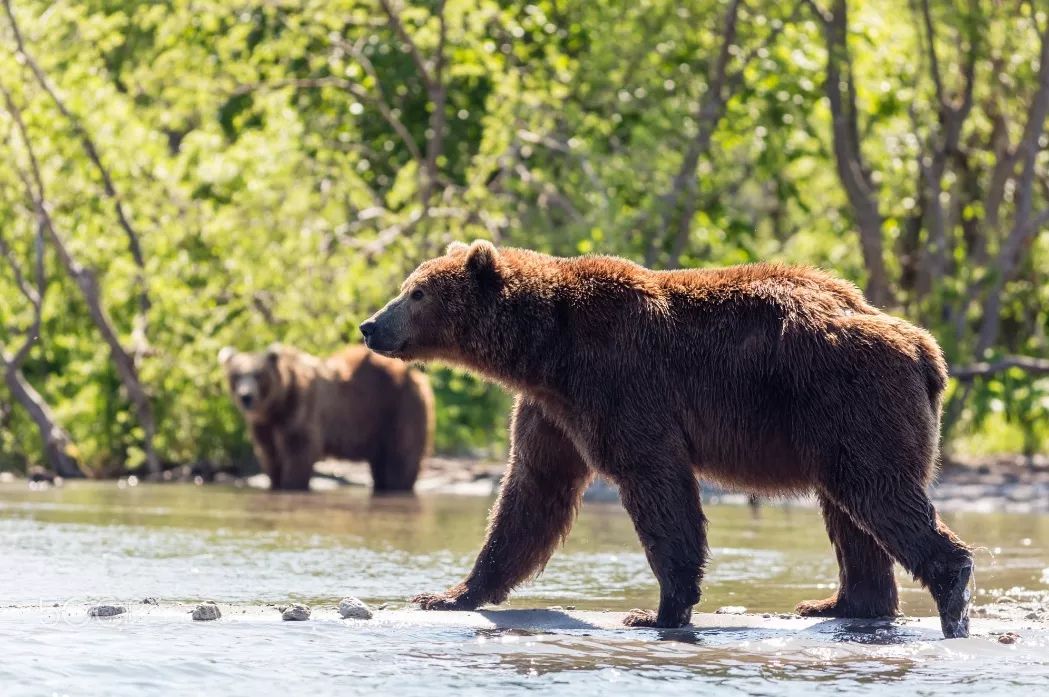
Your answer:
<point x="106" y="610"/>
<point x="295" y="613"/>
<point x="731" y="610"/>
<point x="206" y="612"/>
<point x="1009" y="638"/>
<point x="1033" y="616"/>
<point x="150" y="601"/>
<point x="353" y="609"/>
<point x="39" y="474"/>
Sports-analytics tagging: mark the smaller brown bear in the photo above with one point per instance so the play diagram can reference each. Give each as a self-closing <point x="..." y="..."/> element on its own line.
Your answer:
<point x="354" y="405"/>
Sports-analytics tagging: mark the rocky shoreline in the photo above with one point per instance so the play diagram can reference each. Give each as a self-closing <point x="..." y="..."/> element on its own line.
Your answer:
<point x="990" y="622"/>
<point x="1012" y="484"/>
<point x="1009" y="483"/>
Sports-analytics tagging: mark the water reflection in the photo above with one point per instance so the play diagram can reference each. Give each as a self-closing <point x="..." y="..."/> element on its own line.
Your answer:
<point x="238" y="545"/>
<point x="247" y="548"/>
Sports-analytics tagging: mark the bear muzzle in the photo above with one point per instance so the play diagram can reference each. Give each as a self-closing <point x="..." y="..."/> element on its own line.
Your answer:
<point x="379" y="339"/>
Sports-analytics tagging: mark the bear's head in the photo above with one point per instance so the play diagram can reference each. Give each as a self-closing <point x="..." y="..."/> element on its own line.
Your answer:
<point x="443" y="306"/>
<point x="255" y="379"/>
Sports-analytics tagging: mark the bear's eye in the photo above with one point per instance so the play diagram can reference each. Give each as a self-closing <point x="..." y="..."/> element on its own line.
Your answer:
<point x="417" y="294"/>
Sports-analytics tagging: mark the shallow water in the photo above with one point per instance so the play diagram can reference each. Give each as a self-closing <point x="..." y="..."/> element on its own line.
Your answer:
<point x="91" y="542"/>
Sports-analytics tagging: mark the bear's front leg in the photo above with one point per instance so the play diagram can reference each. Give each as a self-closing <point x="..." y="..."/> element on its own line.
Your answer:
<point x="537" y="502"/>
<point x="264" y="440"/>
<point x="663" y="502"/>
<point x="298" y="450"/>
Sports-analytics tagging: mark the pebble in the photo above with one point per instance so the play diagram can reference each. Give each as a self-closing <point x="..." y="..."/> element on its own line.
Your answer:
<point x="206" y="612"/>
<point x="353" y="609"/>
<point x="295" y="613"/>
<point x="731" y="610"/>
<point x="106" y="610"/>
<point x="1009" y="638"/>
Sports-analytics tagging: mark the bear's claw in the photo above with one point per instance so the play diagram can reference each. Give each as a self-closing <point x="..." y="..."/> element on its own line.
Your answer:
<point x="443" y="601"/>
<point x="954" y="607"/>
<point x="835" y="607"/>
<point x="640" y="618"/>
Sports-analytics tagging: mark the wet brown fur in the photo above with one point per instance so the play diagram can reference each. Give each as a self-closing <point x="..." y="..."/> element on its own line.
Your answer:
<point x="766" y="378"/>
<point x="355" y="405"/>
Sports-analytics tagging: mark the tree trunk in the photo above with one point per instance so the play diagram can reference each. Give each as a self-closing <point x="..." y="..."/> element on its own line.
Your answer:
<point x="848" y="156"/>
<point x="55" y="440"/>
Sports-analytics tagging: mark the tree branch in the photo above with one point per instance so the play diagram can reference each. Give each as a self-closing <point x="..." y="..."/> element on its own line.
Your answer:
<point x="133" y="237"/>
<point x="56" y="442"/>
<point x="1024" y="225"/>
<point x="436" y="92"/>
<point x="394" y="19"/>
<point x="680" y="198"/>
<point x="853" y="172"/>
<point x="1029" y="364"/>
<point x="348" y="86"/>
<point x="89" y="290"/>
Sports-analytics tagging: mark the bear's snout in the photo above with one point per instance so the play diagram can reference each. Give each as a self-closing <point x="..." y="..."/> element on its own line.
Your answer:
<point x="379" y="337"/>
<point x="246" y="400"/>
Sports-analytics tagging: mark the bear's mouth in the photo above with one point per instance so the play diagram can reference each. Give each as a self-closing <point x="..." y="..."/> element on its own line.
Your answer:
<point x="389" y="351"/>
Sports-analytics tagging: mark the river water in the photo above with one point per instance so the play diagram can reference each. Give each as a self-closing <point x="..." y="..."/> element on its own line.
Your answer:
<point x="64" y="549"/>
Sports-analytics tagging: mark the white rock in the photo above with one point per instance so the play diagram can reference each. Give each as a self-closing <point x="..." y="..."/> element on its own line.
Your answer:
<point x="353" y="609"/>
<point x="295" y="613"/>
<point x="106" y="610"/>
<point x="206" y="612"/>
<point x="731" y="610"/>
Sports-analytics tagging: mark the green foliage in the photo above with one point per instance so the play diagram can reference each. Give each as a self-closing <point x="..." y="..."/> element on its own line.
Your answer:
<point x="281" y="164"/>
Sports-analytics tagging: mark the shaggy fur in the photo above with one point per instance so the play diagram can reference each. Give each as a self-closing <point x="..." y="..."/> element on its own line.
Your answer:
<point x="354" y="405"/>
<point x="767" y="378"/>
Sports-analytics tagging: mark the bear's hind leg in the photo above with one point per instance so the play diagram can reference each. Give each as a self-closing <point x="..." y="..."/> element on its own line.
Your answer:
<point x="396" y="466"/>
<point x="867" y="587"/>
<point x="668" y="517"/>
<point x="901" y="517"/>
<point x="537" y="503"/>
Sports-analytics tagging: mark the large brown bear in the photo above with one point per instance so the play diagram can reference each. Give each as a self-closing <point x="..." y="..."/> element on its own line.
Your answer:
<point x="768" y="378"/>
<point x="354" y="405"/>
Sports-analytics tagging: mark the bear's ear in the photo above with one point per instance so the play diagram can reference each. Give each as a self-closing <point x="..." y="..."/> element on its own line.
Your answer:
<point x="482" y="261"/>
<point x="273" y="351"/>
<point x="225" y="354"/>
<point x="456" y="247"/>
<point x="482" y="257"/>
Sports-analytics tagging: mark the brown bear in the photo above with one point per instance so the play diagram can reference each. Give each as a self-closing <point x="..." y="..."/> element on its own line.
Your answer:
<point x="354" y="405"/>
<point x="767" y="378"/>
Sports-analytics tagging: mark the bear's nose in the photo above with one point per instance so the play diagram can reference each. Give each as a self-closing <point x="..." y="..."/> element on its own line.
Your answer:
<point x="367" y="327"/>
<point x="246" y="400"/>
